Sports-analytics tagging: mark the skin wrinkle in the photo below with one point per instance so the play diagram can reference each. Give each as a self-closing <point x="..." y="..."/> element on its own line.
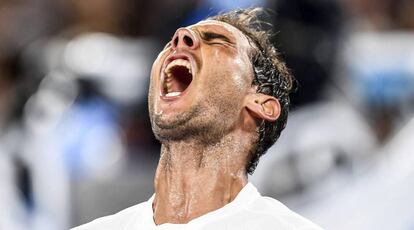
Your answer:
<point x="207" y="134"/>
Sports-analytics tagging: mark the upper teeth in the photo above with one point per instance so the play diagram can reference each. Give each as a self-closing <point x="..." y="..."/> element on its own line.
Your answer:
<point x="179" y="62"/>
<point x="172" y="94"/>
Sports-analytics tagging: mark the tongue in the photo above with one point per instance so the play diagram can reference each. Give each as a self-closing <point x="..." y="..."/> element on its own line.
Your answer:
<point x="172" y="94"/>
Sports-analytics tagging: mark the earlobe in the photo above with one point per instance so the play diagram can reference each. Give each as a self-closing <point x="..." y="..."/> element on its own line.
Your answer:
<point x="263" y="106"/>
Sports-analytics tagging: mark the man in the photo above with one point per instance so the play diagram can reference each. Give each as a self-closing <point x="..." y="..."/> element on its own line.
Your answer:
<point x="218" y="99"/>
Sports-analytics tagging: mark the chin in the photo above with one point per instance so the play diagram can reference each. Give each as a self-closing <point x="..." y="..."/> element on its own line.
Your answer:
<point x="199" y="130"/>
<point x="171" y="127"/>
<point x="164" y="134"/>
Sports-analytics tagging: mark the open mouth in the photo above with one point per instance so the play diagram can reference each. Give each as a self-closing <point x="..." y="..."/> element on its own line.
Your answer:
<point x="177" y="77"/>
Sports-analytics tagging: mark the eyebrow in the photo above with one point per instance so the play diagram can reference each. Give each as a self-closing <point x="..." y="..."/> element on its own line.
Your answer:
<point x="208" y="36"/>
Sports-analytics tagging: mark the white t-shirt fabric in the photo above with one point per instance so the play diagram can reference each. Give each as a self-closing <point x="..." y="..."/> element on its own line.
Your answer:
<point x="249" y="210"/>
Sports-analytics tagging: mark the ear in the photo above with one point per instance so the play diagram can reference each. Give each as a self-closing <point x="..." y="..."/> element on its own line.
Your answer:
<point x="263" y="106"/>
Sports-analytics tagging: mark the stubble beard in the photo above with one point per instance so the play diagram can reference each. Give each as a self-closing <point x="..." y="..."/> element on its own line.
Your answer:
<point x="176" y="127"/>
<point x="207" y="121"/>
<point x="205" y="124"/>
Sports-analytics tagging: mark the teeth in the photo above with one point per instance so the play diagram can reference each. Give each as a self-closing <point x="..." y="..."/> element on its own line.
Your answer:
<point x="179" y="62"/>
<point x="168" y="86"/>
<point x="168" y="79"/>
<point x="172" y="94"/>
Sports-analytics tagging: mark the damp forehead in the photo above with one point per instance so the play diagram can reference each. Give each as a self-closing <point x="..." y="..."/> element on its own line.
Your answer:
<point x="235" y="33"/>
<point x="242" y="42"/>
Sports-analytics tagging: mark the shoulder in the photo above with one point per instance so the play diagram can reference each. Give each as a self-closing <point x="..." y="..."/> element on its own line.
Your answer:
<point x="115" y="221"/>
<point x="268" y="212"/>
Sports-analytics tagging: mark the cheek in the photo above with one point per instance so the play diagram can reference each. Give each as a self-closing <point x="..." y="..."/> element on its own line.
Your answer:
<point x="241" y="74"/>
<point x="235" y="75"/>
<point x="232" y="68"/>
<point x="154" y="91"/>
<point x="156" y="66"/>
<point x="225" y="83"/>
<point x="152" y="82"/>
<point x="155" y="71"/>
<point x="225" y="72"/>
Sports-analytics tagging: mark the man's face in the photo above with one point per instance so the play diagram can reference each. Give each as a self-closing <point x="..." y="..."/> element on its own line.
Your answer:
<point x="199" y="81"/>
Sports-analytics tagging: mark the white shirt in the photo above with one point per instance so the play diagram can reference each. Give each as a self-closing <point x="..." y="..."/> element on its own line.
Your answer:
<point x="249" y="210"/>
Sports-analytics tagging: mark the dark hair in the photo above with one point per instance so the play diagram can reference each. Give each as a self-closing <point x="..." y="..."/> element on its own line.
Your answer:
<point x="271" y="76"/>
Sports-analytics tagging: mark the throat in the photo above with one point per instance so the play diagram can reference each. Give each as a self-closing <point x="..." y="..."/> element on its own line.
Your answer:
<point x="181" y="201"/>
<point x="189" y="184"/>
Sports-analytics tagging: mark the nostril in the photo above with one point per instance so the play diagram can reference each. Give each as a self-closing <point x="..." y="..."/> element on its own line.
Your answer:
<point x="188" y="41"/>
<point x="175" y="41"/>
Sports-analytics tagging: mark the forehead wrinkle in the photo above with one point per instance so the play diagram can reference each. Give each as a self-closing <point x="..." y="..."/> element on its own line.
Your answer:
<point x="231" y="29"/>
<point x="252" y="47"/>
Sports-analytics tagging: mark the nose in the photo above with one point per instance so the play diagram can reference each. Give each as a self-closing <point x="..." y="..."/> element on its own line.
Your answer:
<point x="184" y="38"/>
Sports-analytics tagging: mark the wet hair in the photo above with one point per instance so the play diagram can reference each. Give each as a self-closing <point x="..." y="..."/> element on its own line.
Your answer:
<point x="271" y="76"/>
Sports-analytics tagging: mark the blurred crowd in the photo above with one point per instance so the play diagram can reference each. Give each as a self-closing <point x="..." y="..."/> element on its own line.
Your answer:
<point x="75" y="137"/>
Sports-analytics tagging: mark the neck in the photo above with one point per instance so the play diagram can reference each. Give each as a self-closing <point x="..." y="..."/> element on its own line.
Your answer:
<point x="193" y="179"/>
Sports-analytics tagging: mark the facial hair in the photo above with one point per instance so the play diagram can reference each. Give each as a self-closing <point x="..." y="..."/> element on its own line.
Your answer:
<point x="206" y="121"/>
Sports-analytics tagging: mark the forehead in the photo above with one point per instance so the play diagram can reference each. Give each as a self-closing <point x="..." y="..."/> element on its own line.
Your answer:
<point x="222" y="28"/>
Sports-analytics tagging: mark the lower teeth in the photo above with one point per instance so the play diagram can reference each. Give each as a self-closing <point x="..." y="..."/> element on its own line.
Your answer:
<point x="172" y="94"/>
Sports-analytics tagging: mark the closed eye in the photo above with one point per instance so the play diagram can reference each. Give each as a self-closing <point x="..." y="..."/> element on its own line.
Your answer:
<point x="210" y="36"/>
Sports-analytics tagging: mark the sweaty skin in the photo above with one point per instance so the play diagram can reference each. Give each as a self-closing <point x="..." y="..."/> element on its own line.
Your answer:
<point x="208" y="131"/>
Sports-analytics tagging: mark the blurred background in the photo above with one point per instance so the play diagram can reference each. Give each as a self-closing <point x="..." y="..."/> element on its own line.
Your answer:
<point x="75" y="138"/>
